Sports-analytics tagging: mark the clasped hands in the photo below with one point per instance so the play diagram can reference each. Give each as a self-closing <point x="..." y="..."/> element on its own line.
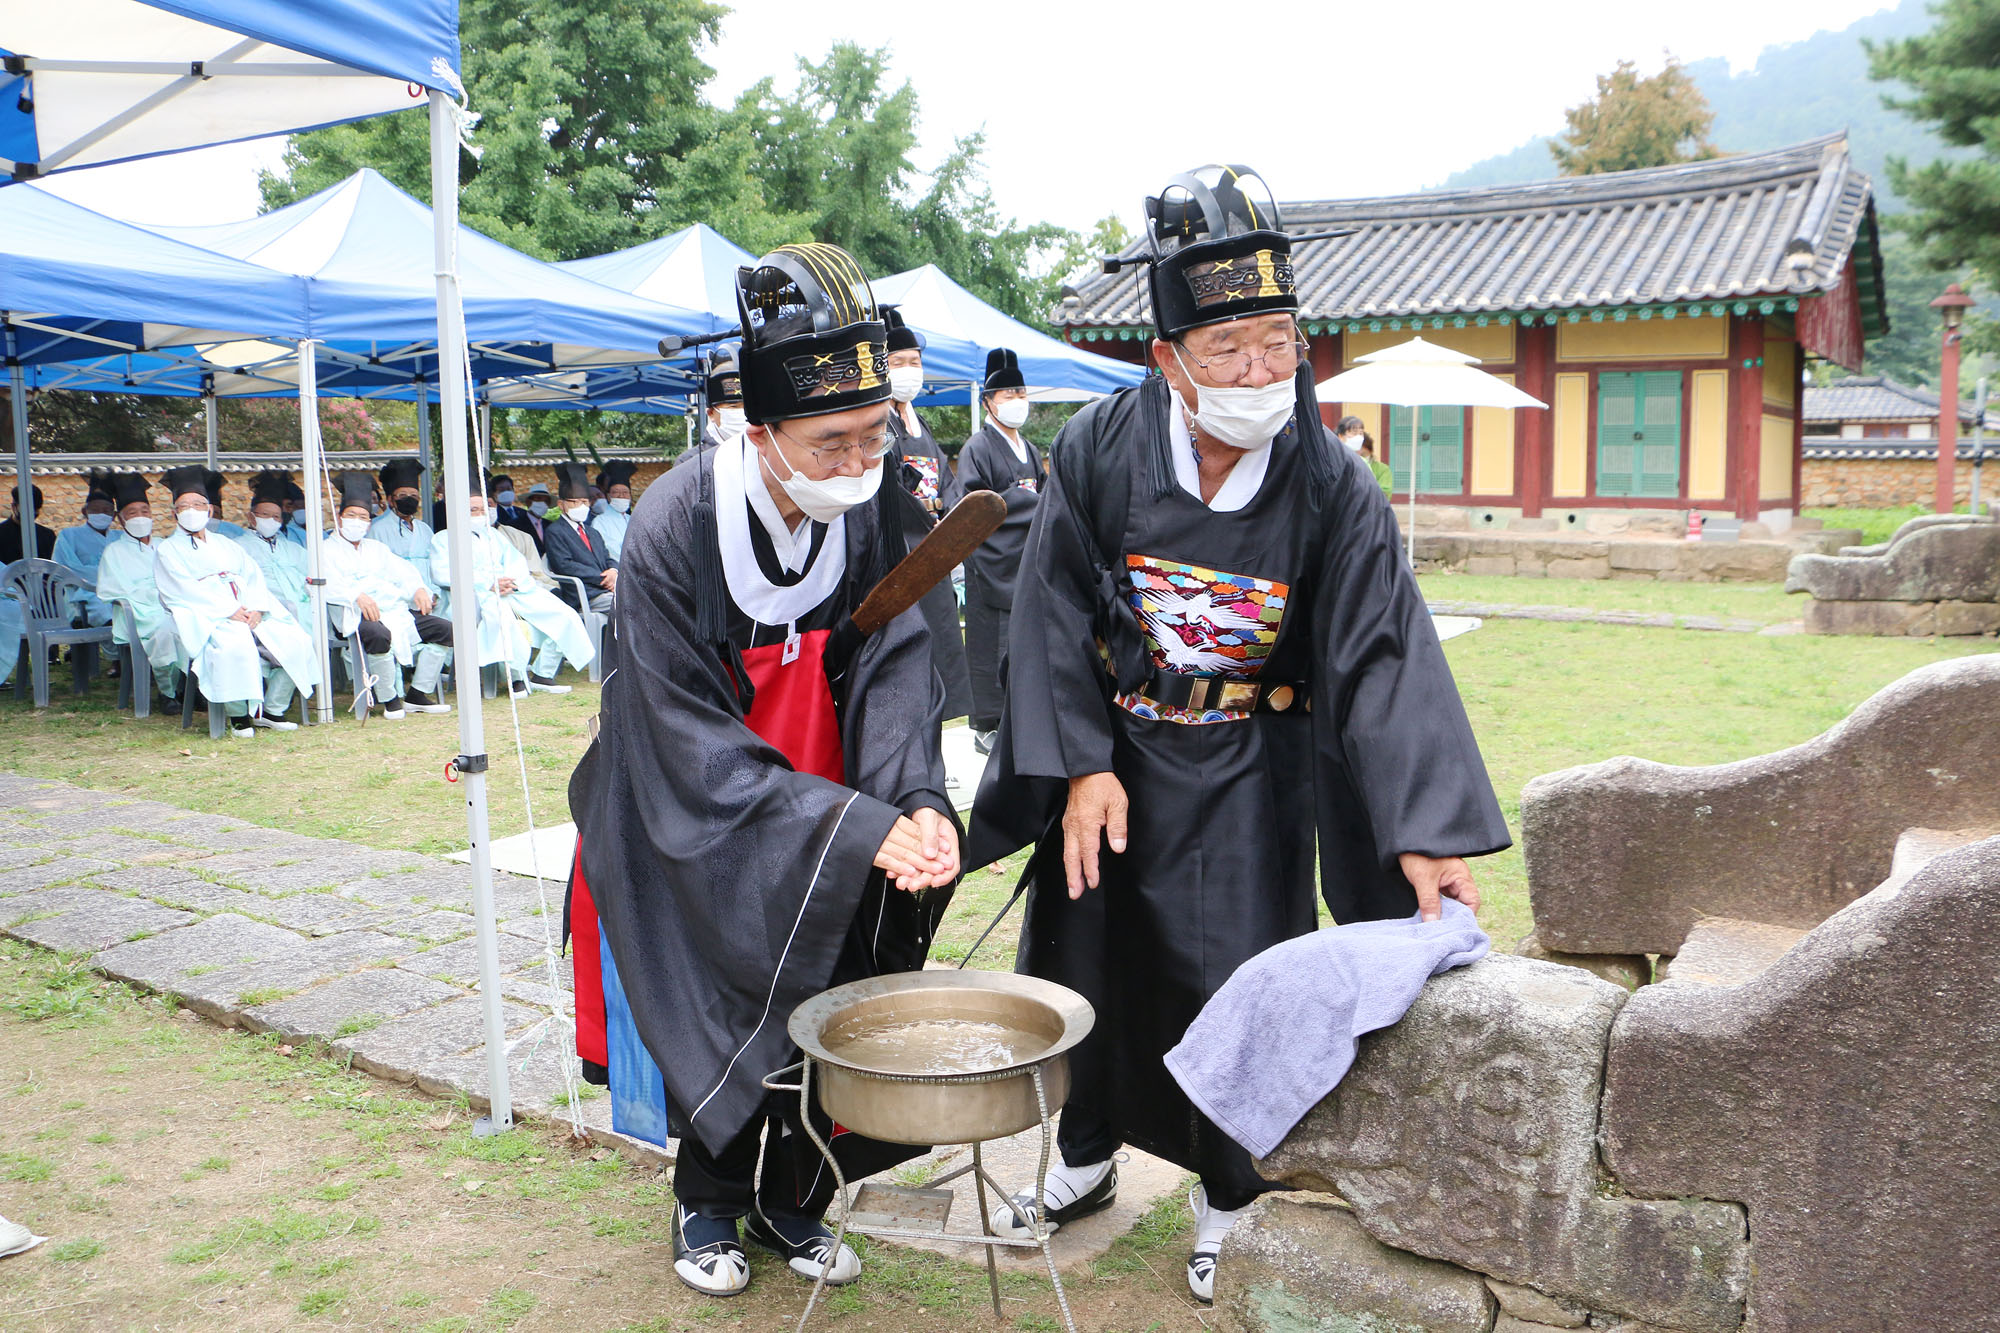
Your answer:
<point x="1098" y="811"/>
<point x="921" y="851"/>
<point x="247" y="616"/>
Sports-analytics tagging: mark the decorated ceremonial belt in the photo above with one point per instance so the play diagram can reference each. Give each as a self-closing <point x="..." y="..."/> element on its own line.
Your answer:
<point x="1201" y="693"/>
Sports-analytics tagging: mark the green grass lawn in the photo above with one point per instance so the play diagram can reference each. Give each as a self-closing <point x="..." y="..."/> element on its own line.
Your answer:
<point x="1765" y="602"/>
<point x="1877" y="525"/>
<point x="1541" y="697"/>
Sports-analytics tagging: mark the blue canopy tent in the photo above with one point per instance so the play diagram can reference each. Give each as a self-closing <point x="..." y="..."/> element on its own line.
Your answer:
<point x="694" y="268"/>
<point x="86" y="82"/>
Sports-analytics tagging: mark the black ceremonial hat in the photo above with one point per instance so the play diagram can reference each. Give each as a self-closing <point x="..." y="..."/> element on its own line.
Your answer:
<point x="1003" y="371"/>
<point x="616" y="472"/>
<point x="902" y="338"/>
<point x="270" y="485"/>
<point x="1220" y="251"/>
<point x="101" y="484"/>
<point x="215" y="481"/>
<point x="725" y="379"/>
<point x="572" y="481"/>
<point x="188" y="479"/>
<point x="813" y="341"/>
<point x="294" y="492"/>
<point x="400" y="472"/>
<point x="130" y="488"/>
<point x="357" y="490"/>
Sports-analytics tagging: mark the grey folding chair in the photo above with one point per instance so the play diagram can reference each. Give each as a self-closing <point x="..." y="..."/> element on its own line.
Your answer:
<point x="42" y="587"/>
<point x="135" y="675"/>
<point x="593" y="623"/>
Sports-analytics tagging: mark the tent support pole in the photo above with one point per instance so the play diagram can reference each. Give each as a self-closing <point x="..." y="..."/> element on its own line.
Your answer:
<point x="314" y="468"/>
<point x="471" y="762"/>
<point x="424" y="449"/>
<point x="212" y="422"/>
<point x="972" y="404"/>
<point x="486" y="435"/>
<point x="24" y="485"/>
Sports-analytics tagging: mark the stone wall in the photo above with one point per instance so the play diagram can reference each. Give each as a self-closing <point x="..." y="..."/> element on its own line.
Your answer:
<point x="1554" y="556"/>
<point x="1886" y="483"/>
<point x="1938" y="576"/>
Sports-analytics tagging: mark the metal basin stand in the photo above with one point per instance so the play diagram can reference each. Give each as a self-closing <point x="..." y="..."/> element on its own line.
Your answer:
<point x="981" y="1178"/>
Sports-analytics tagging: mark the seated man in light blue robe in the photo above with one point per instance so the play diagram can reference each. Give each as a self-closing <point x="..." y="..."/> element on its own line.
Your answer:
<point x="513" y="609"/>
<point x="280" y="561"/>
<point x="125" y="573"/>
<point x="399" y="527"/>
<point x="615" y="480"/>
<point x="81" y="547"/>
<point x="217" y="524"/>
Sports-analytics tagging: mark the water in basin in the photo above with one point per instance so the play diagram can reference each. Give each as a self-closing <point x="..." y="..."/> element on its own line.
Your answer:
<point x="934" y="1046"/>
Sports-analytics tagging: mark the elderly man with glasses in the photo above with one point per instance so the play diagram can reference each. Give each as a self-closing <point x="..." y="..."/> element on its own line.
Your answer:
<point x="760" y="762"/>
<point x="1222" y="685"/>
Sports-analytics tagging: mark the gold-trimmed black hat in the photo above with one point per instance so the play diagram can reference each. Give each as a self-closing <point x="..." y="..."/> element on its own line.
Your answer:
<point x="1003" y="371"/>
<point x="725" y="379"/>
<point x="1220" y="251"/>
<point x="813" y="340"/>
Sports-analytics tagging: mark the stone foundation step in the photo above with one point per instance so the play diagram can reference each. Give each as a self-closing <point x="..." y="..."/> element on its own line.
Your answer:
<point x="1918" y="847"/>
<point x="1723" y="952"/>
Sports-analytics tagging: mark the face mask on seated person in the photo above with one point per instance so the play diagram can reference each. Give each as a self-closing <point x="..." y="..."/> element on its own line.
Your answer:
<point x="141" y="528"/>
<point x="268" y="528"/>
<point x="597" y="506"/>
<point x="406" y="505"/>
<point x="538" y="507"/>
<point x="579" y="514"/>
<point x="731" y="422"/>
<point x="506" y="498"/>
<point x="192" y="520"/>
<point x="1239" y="417"/>
<point x="98" y="522"/>
<point x="621" y="506"/>
<point x="354" y="529"/>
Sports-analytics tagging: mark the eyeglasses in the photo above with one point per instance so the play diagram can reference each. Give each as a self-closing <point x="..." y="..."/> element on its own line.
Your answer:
<point x="1227" y="368"/>
<point x="872" y="448"/>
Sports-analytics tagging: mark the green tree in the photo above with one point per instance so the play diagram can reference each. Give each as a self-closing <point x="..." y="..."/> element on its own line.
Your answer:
<point x="1952" y="73"/>
<point x="1636" y="122"/>
<point x="593" y="132"/>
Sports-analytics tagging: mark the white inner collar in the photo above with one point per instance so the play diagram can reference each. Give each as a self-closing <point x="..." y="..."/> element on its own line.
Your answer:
<point x="740" y="489"/>
<point x="1017" y="441"/>
<point x="1238" y="489"/>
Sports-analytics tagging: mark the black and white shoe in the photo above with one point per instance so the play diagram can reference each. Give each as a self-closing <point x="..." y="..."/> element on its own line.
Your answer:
<point x="707" y="1255"/>
<point x="546" y="685"/>
<point x="419" y="702"/>
<point x="982" y="741"/>
<point x="1210" y="1226"/>
<point x="805" y="1244"/>
<point x="1072" y="1193"/>
<point x="264" y="723"/>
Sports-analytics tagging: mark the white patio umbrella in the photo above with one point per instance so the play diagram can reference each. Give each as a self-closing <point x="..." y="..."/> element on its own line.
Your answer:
<point x="1421" y="374"/>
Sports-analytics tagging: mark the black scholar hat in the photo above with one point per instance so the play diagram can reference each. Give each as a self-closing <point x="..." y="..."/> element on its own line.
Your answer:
<point x="572" y="481"/>
<point x="398" y="472"/>
<point x="357" y="491"/>
<point x="187" y="479"/>
<point x="902" y="338"/>
<point x="1003" y="371"/>
<point x="616" y="472"/>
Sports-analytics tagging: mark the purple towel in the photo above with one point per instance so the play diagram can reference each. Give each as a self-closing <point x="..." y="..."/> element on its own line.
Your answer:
<point x="1281" y="1033"/>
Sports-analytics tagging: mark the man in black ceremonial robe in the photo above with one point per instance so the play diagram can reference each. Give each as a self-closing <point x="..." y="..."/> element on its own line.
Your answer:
<point x="930" y="488"/>
<point x="1000" y="459"/>
<point x="763" y="813"/>
<point x="1220" y="667"/>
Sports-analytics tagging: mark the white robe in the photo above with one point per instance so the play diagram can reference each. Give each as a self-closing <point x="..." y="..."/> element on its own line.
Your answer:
<point x="125" y="573"/>
<point x="204" y="581"/>
<point x="283" y="565"/>
<point x="371" y="569"/>
<point x="494" y="558"/>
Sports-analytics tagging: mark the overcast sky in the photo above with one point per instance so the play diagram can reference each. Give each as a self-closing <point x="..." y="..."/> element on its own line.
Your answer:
<point x="1088" y="106"/>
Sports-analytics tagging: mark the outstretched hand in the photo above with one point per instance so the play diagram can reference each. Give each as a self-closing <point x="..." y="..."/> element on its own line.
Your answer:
<point x="1437" y="878"/>
<point x="921" y="851"/>
<point x="1097" y="810"/>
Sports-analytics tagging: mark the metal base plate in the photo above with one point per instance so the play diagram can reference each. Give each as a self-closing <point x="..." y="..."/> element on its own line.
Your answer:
<point x="900" y="1207"/>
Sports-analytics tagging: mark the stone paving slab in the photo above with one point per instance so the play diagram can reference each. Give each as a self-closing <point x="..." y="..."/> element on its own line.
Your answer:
<point x="63" y="869"/>
<point x="14" y="857"/>
<point x="459" y="961"/>
<point x="77" y="919"/>
<point x="359" y="1001"/>
<point x="1578" y="614"/>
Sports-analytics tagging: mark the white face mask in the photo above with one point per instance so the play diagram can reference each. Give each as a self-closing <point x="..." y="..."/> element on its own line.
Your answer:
<point x="192" y="520"/>
<point x="579" y="514"/>
<point x="354" y="529"/>
<point x="824" y="501"/>
<point x="1242" y="418"/>
<point x="98" y="522"/>
<point x="505" y="498"/>
<point x="1013" y="414"/>
<point x="538" y="507"/>
<point x="299" y="518"/>
<point x="597" y="506"/>
<point x="141" y="528"/>
<point x="730" y="422"/>
<point x="491" y="517"/>
<point x="1352" y="442"/>
<point x="268" y="528"/>
<point x="905" y="382"/>
<point x="622" y="506"/>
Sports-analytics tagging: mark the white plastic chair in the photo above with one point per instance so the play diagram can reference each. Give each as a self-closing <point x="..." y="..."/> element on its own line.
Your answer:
<point x="42" y="587"/>
<point x="135" y="676"/>
<point x="593" y="623"/>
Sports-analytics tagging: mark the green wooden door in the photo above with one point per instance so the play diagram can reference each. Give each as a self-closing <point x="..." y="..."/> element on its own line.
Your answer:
<point x="1440" y="450"/>
<point x="1639" y="434"/>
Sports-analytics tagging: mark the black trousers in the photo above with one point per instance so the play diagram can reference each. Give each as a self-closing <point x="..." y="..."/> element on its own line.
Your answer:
<point x="1086" y="1138"/>
<point x="985" y="649"/>
<point x="430" y="629"/>
<point x="795" y="1180"/>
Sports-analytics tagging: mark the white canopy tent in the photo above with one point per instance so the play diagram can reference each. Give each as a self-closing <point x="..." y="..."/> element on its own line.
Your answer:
<point x="88" y="82"/>
<point x="1421" y="374"/>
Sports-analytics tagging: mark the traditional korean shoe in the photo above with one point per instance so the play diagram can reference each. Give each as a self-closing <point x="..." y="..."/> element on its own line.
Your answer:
<point x="546" y="685"/>
<point x="393" y="710"/>
<point x="805" y="1243"/>
<point x="240" y="729"/>
<point x="419" y="702"/>
<point x="707" y="1254"/>
<point x="519" y="689"/>
<point x="264" y="723"/>
<point x="1210" y="1226"/>
<point x="982" y="741"/>
<point x="1072" y="1193"/>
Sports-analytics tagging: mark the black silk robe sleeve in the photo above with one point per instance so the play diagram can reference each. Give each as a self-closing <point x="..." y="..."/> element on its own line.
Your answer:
<point x="727" y="882"/>
<point x="1397" y="767"/>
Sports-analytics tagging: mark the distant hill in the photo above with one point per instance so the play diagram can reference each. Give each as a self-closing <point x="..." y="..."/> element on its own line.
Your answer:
<point x="1795" y="92"/>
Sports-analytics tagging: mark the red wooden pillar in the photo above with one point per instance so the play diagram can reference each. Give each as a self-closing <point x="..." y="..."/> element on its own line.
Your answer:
<point x="1951" y="306"/>
<point x="1535" y="367"/>
<point x="1746" y="410"/>
<point x="1325" y="364"/>
<point x="1798" y="445"/>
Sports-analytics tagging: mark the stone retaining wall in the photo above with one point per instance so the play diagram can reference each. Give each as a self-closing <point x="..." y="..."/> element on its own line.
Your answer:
<point x="1888" y="483"/>
<point x="1554" y="556"/>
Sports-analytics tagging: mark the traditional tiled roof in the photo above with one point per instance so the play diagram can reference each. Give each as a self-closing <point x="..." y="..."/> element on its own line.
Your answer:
<point x="1879" y="398"/>
<point x="1835" y="446"/>
<point x="1763" y="229"/>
